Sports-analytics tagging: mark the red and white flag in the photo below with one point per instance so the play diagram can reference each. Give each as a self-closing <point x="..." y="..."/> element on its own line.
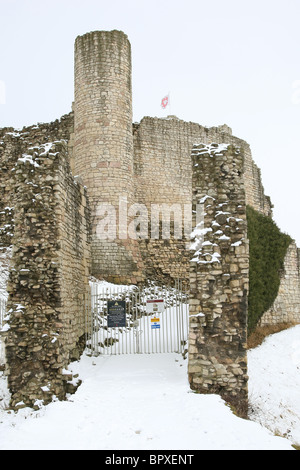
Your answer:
<point x="165" y="102"/>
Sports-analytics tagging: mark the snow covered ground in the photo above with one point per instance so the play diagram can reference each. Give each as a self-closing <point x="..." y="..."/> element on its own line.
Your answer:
<point x="136" y="402"/>
<point x="274" y="383"/>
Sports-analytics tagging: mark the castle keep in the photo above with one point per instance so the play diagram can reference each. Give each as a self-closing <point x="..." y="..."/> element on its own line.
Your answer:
<point x="82" y="197"/>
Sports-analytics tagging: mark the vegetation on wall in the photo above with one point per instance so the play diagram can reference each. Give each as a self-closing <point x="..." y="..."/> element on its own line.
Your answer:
<point x="267" y="246"/>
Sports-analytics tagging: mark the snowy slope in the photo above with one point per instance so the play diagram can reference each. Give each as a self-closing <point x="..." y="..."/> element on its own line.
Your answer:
<point x="274" y="383"/>
<point x="144" y="402"/>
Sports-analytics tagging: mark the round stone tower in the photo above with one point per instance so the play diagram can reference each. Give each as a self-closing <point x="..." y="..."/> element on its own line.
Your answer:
<point x="103" y="149"/>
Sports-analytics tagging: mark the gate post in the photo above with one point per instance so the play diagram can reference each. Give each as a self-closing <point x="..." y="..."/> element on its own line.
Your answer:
<point x="219" y="277"/>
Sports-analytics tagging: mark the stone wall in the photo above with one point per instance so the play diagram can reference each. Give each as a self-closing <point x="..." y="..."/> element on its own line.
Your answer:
<point x="254" y="190"/>
<point x="13" y="143"/>
<point x="219" y="271"/>
<point x="162" y="162"/>
<point x="49" y="272"/>
<point x="286" y="308"/>
<point x="163" y="175"/>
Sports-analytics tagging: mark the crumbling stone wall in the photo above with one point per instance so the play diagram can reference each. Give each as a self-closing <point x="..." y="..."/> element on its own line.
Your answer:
<point x="219" y="275"/>
<point x="49" y="274"/>
<point x="254" y="190"/>
<point x="13" y="143"/>
<point x="162" y="161"/>
<point x="163" y="175"/>
<point x="286" y="308"/>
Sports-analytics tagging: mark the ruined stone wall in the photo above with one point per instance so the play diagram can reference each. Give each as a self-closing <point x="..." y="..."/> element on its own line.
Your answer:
<point x="49" y="267"/>
<point x="219" y="271"/>
<point x="10" y="150"/>
<point x="162" y="162"/>
<point x="13" y="143"/>
<point x="74" y="231"/>
<point x="255" y="195"/>
<point x="286" y="308"/>
<point x="163" y="175"/>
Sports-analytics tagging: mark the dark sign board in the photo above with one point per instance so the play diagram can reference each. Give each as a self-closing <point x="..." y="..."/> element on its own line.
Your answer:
<point x="116" y="310"/>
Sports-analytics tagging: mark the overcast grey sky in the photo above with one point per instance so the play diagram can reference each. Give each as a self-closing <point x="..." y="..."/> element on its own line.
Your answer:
<point x="234" y="62"/>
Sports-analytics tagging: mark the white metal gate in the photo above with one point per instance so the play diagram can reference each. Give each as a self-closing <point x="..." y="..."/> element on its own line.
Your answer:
<point x="149" y="320"/>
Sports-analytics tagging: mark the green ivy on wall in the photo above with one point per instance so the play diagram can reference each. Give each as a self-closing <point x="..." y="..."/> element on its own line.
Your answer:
<point x="267" y="250"/>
